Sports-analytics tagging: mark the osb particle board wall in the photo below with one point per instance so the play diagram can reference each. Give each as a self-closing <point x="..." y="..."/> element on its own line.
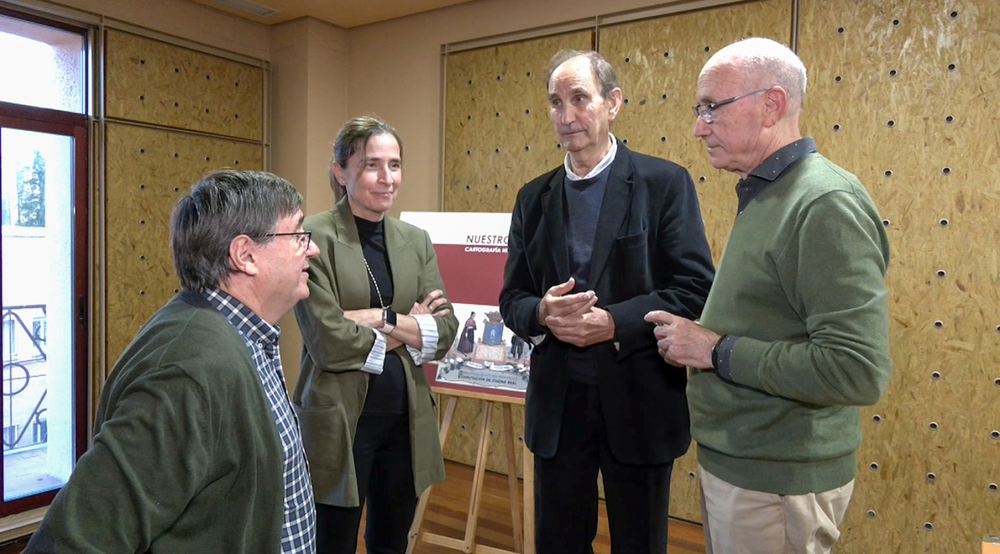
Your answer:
<point x="161" y="84"/>
<point x="169" y="90"/>
<point x="497" y="130"/>
<point x="902" y="93"/>
<point x="147" y="171"/>
<point x="905" y="94"/>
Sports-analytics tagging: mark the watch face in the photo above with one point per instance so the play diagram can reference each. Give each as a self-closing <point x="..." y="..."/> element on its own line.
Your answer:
<point x="389" y="317"/>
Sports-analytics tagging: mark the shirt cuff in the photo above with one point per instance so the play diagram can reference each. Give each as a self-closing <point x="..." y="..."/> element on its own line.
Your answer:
<point x="725" y="354"/>
<point x="429" y="339"/>
<point x="376" y="357"/>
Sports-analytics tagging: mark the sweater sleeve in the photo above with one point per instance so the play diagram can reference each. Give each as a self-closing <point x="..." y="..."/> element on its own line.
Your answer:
<point x="149" y="459"/>
<point x="832" y="271"/>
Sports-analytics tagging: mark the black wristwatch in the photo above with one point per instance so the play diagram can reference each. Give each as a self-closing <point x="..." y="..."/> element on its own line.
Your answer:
<point x="716" y="350"/>
<point x="388" y="321"/>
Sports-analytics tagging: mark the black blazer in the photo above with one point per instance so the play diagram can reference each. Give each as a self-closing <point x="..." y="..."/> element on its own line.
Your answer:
<point x="650" y="253"/>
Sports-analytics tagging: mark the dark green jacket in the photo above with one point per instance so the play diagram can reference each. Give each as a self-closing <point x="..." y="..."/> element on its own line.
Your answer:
<point x="331" y="389"/>
<point x="802" y="284"/>
<point x="186" y="455"/>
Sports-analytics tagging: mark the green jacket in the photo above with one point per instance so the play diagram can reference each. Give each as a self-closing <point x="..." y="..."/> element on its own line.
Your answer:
<point x="186" y="455"/>
<point x="802" y="284"/>
<point x="331" y="389"/>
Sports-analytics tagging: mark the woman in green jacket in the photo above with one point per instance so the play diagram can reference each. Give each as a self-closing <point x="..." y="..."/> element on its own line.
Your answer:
<point x="376" y="311"/>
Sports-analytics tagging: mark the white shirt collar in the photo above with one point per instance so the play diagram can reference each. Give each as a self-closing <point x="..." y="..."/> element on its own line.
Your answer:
<point x="608" y="158"/>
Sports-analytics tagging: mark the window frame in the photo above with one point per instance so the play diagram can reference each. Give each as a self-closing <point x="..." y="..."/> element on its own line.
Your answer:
<point x="55" y="24"/>
<point x="28" y="118"/>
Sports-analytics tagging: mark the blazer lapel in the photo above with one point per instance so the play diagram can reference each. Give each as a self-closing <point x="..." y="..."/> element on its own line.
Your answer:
<point x="353" y="286"/>
<point x="614" y="209"/>
<point x="555" y="223"/>
<point x="403" y="265"/>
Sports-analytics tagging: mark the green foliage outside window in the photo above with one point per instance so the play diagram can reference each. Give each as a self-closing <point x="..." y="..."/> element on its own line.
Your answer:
<point x="30" y="194"/>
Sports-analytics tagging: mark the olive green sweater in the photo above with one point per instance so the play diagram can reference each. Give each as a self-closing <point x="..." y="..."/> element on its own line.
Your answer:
<point x="186" y="456"/>
<point x="802" y="284"/>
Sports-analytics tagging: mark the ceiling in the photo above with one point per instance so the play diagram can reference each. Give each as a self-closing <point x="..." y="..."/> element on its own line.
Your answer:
<point x="342" y="13"/>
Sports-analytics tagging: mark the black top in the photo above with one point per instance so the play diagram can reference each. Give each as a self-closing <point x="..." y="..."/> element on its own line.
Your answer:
<point x="770" y="169"/>
<point x="387" y="391"/>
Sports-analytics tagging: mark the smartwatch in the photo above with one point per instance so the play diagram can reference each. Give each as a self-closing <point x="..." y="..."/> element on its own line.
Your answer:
<point x="388" y="321"/>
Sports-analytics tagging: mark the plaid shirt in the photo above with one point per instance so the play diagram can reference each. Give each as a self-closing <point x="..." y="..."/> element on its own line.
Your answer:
<point x="299" y="530"/>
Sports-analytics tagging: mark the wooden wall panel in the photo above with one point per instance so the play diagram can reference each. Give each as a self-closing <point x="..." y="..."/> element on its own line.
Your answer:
<point x="904" y="94"/>
<point x="161" y="84"/>
<point x="497" y="130"/>
<point x="147" y="170"/>
<point x="657" y="62"/>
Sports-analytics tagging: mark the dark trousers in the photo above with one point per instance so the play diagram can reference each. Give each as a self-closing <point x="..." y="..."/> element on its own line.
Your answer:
<point x="637" y="496"/>
<point x="385" y="481"/>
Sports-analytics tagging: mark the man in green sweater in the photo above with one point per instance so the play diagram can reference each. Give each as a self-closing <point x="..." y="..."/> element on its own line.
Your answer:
<point x="196" y="448"/>
<point x="794" y="335"/>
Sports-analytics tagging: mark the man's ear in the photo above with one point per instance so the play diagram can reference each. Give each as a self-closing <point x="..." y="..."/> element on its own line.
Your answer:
<point x="615" y="99"/>
<point x="775" y="104"/>
<point x="243" y="255"/>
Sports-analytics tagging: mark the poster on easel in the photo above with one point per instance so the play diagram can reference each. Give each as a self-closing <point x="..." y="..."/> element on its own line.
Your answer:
<point x="471" y="252"/>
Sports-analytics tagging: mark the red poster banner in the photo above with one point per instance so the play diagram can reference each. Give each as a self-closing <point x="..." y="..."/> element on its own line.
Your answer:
<point x="486" y="356"/>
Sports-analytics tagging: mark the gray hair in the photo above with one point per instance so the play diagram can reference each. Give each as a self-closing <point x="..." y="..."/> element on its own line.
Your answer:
<point x="354" y="137"/>
<point x="219" y="208"/>
<point x="604" y="75"/>
<point x="766" y="63"/>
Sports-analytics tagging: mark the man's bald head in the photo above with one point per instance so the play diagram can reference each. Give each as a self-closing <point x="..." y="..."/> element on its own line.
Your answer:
<point x="765" y="63"/>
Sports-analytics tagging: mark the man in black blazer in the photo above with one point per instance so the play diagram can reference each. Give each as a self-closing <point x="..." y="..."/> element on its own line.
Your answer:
<point x="594" y="245"/>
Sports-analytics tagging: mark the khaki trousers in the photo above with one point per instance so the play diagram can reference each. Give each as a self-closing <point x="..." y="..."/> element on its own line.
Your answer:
<point x="741" y="521"/>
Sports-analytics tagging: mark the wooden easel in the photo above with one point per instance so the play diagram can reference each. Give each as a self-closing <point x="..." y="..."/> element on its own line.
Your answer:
<point x="468" y="544"/>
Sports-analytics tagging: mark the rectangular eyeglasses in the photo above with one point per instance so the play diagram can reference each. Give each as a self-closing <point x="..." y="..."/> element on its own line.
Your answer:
<point x="705" y="111"/>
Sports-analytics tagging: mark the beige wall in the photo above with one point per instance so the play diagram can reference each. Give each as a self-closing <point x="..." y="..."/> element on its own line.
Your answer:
<point x="309" y="63"/>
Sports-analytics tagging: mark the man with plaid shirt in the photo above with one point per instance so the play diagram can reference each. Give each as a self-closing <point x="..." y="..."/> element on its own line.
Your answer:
<point x="196" y="447"/>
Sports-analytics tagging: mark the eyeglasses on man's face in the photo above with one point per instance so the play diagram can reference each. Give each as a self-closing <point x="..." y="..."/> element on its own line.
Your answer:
<point x="302" y="238"/>
<point x="706" y="111"/>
